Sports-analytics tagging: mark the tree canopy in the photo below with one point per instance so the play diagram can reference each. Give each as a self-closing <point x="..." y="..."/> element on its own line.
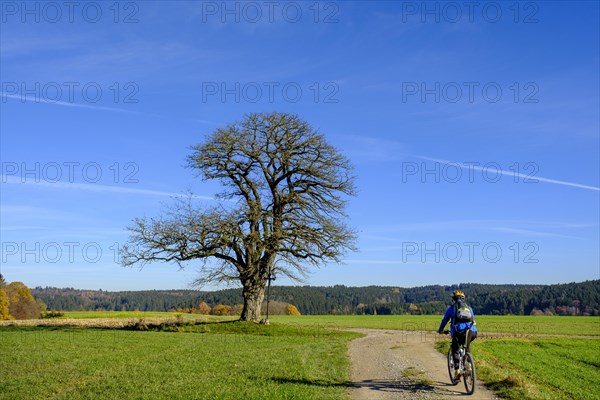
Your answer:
<point x="4" y="311"/>
<point x="282" y="208"/>
<point x="21" y="304"/>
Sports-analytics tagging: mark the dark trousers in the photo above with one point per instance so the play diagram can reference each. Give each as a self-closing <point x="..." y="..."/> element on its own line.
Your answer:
<point x="458" y="338"/>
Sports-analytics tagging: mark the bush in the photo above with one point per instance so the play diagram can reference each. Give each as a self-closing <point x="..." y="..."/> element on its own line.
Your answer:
<point x="52" y="314"/>
<point x="203" y="308"/>
<point x="221" y="309"/>
<point x="292" y="310"/>
<point x="279" y="308"/>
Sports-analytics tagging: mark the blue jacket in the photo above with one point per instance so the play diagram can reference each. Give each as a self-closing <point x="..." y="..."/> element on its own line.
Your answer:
<point x="449" y="316"/>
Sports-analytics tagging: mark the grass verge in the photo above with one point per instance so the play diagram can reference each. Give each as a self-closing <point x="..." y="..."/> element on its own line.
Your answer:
<point x="557" y="368"/>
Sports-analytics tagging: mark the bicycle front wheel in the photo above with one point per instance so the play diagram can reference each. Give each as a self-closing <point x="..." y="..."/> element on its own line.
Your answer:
<point x="451" y="367"/>
<point x="469" y="374"/>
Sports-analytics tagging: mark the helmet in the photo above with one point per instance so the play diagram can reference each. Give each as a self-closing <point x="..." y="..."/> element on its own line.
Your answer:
<point x="458" y="294"/>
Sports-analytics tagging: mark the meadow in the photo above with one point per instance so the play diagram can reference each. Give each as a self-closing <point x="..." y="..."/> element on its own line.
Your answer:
<point x="229" y="360"/>
<point x="540" y="357"/>
<point x="294" y="357"/>
<point x="566" y="368"/>
<point x="512" y="325"/>
<point x="488" y="325"/>
<point x="546" y="368"/>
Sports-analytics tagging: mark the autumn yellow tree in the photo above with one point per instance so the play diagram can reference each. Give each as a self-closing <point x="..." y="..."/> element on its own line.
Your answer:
<point x="4" y="314"/>
<point x="21" y="304"/>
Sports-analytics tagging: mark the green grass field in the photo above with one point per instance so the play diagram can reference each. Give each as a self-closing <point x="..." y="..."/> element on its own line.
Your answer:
<point x="557" y="368"/>
<point x="564" y="368"/>
<point x="213" y="361"/>
<point x="508" y="326"/>
<point x="294" y="357"/>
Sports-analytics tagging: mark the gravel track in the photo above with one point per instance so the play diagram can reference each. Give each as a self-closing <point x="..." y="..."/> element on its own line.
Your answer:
<point x="388" y="364"/>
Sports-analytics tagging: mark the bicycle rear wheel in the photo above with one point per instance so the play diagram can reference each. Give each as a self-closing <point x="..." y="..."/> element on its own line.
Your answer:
<point x="451" y="367"/>
<point x="469" y="374"/>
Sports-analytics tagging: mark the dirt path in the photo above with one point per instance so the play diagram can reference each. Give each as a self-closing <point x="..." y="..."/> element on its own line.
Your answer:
<point x="402" y="365"/>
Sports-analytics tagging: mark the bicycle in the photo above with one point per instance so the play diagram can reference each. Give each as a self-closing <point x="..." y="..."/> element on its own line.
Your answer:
<point x="467" y="365"/>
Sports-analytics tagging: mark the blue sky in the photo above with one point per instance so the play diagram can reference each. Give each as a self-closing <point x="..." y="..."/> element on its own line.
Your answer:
<point x="474" y="132"/>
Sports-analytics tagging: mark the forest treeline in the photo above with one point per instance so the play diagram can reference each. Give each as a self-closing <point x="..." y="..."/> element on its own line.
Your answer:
<point x="581" y="298"/>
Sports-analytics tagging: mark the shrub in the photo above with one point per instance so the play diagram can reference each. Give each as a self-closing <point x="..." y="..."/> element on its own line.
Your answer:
<point x="292" y="310"/>
<point x="221" y="309"/>
<point x="52" y="314"/>
<point x="203" y="308"/>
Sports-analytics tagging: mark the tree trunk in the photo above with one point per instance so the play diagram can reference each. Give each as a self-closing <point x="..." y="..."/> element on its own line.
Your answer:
<point x="254" y="294"/>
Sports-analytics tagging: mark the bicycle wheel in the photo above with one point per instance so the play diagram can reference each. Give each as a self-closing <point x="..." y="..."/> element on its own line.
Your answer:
<point x="469" y="374"/>
<point x="451" y="367"/>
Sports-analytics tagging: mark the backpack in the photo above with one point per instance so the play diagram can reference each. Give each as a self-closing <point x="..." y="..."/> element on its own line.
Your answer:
<point x="462" y="312"/>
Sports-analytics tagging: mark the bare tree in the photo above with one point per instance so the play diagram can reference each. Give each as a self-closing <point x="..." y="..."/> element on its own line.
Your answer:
<point x="283" y="208"/>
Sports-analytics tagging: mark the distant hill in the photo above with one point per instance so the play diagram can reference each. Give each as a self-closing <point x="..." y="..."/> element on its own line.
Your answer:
<point x="581" y="298"/>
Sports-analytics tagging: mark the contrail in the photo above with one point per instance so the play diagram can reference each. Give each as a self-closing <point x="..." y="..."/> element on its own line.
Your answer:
<point x="101" y="108"/>
<point x="512" y="173"/>
<point x="67" y="104"/>
<point x="99" y="188"/>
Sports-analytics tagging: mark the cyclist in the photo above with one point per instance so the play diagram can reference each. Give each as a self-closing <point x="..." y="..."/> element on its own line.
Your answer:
<point x="462" y="320"/>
